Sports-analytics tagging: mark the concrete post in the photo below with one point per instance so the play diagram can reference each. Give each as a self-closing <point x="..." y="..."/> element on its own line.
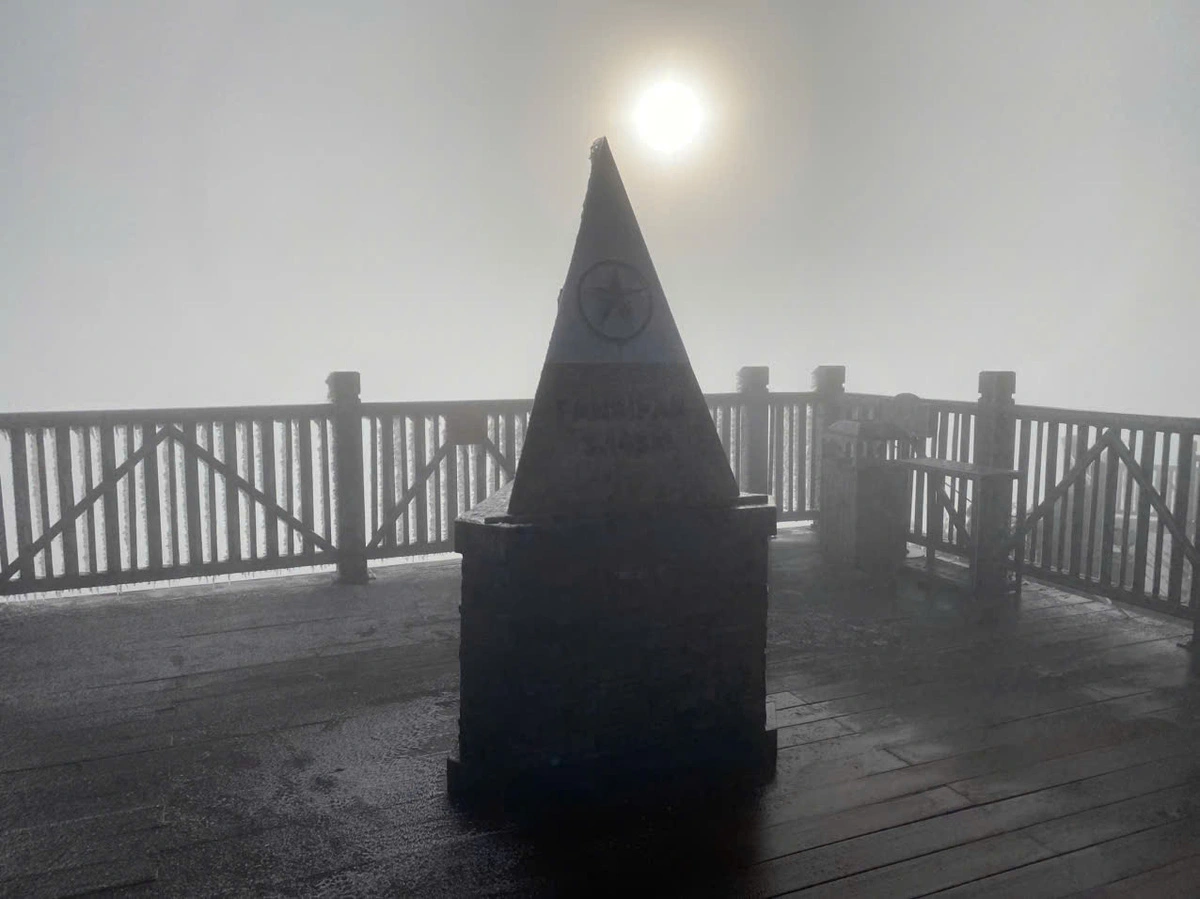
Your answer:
<point x="754" y="466"/>
<point x="829" y="384"/>
<point x="995" y="447"/>
<point x="344" y="388"/>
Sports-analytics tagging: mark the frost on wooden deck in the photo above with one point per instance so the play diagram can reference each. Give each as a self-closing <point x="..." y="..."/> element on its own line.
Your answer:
<point x="288" y="737"/>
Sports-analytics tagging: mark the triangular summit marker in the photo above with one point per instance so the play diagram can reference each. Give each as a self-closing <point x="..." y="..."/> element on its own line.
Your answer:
<point x="618" y="420"/>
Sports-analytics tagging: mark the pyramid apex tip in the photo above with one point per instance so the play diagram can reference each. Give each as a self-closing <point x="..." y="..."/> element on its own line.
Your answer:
<point x="599" y="145"/>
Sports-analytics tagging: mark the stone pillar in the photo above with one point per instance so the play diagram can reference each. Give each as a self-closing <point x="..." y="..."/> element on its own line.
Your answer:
<point x="754" y="465"/>
<point x="344" y="387"/>
<point x="995" y="447"/>
<point x="829" y="385"/>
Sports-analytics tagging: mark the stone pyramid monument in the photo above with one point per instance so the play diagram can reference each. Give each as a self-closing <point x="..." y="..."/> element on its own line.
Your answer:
<point x="614" y="594"/>
<point x="618" y="419"/>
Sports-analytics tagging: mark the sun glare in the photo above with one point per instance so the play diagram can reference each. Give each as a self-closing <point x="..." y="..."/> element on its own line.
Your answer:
<point x="668" y="116"/>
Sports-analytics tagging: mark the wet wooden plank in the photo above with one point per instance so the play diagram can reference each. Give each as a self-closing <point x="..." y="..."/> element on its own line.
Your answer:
<point x="1177" y="880"/>
<point x="1050" y="816"/>
<point x="788" y="837"/>
<point x="1091" y="867"/>
<point x="1168" y="798"/>
<point x="100" y="878"/>
<point x="937" y="871"/>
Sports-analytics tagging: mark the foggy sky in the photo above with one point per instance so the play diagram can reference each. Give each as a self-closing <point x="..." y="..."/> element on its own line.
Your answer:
<point x="220" y="202"/>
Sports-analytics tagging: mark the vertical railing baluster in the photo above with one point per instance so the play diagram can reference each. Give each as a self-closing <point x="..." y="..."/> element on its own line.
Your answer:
<point x="1163" y="491"/>
<point x="420" y="460"/>
<point x="86" y="449"/>
<point x="305" y="426"/>
<point x="22" y="508"/>
<point x="1183" y="491"/>
<point x="47" y="554"/>
<point x="137" y="519"/>
<point x="1146" y="461"/>
<point x="154" y="547"/>
<point x="1094" y="515"/>
<point x="233" y="503"/>
<point x="387" y="471"/>
<point x="211" y="437"/>
<point x="191" y="476"/>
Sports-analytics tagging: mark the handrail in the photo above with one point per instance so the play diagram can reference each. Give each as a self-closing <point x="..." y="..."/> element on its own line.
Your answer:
<point x="1124" y="420"/>
<point x="85" y="418"/>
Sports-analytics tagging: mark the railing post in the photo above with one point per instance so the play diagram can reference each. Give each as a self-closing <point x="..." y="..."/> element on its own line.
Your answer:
<point x="344" y="387"/>
<point x="754" y="471"/>
<point x="829" y="383"/>
<point x="995" y="447"/>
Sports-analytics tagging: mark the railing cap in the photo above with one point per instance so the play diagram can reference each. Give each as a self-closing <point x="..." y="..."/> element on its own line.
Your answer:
<point x="829" y="378"/>
<point x="343" y="385"/>
<point x="753" y="378"/>
<point x="997" y="385"/>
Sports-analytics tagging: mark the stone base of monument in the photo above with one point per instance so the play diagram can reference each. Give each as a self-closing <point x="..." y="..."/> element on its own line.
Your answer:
<point x="606" y="657"/>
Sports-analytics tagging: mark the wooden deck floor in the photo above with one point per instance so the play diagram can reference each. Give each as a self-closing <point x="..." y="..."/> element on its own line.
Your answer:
<point x="288" y="738"/>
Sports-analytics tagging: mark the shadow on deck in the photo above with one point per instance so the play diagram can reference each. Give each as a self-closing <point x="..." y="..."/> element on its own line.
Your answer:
<point x="289" y="738"/>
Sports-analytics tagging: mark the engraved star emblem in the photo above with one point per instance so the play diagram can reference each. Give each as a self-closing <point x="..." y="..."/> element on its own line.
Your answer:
<point x="615" y="301"/>
<point x="616" y="297"/>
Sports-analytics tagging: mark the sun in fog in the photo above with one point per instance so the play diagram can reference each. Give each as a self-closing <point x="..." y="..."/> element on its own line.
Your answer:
<point x="668" y="116"/>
